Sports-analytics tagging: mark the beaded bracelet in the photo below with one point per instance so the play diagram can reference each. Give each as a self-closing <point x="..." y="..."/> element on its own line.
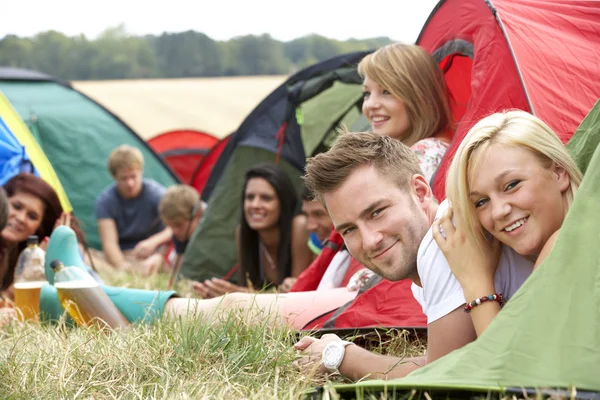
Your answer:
<point x="492" y="297"/>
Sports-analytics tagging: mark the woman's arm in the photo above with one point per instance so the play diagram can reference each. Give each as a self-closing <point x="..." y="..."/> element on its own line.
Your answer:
<point x="216" y="287"/>
<point x="301" y="254"/>
<point x="473" y="266"/>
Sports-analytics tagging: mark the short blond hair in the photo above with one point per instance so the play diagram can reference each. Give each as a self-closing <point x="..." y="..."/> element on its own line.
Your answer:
<point x="178" y="203"/>
<point x="512" y="128"/>
<point x="411" y="74"/>
<point x="125" y="156"/>
<point x="326" y="172"/>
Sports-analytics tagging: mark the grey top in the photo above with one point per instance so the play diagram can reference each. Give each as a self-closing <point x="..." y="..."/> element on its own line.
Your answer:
<point x="136" y="219"/>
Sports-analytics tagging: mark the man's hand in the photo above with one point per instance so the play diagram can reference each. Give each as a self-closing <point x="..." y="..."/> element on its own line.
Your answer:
<point x="144" y="249"/>
<point x="216" y="287"/>
<point x="287" y="284"/>
<point x="311" y="350"/>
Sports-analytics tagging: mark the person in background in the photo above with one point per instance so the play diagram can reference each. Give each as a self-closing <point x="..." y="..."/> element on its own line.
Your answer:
<point x="271" y="238"/>
<point x="34" y="209"/>
<point x="319" y="226"/>
<point x="130" y="228"/>
<point x="180" y="210"/>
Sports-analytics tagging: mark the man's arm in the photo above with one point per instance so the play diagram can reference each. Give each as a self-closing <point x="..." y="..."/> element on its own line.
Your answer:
<point x="147" y="247"/>
<point x="110" y="242"/>
<point x="444" y="335"/>
<point x="358" y="363"/>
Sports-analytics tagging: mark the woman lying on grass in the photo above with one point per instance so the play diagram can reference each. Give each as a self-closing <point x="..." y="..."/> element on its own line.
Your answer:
<point x="512" y="182"/>
<point x="271" y="237"/>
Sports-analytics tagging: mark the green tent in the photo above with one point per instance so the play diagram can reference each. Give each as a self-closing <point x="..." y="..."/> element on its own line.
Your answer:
<point x="77" y="135"/>
<point x="300" y="118"/>
<point x="547" y="337"/>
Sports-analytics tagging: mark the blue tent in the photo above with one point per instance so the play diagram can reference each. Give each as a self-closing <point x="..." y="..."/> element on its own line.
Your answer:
<point x="13" y="157"/>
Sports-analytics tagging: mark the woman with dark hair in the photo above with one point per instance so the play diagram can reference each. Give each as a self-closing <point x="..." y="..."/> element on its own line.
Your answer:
<point x="271" y="237"/>
<point x="33" y="209"/>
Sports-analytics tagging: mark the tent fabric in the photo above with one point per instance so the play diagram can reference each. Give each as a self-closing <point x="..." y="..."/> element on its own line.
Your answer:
<point x="548" y="334"/>
<point x="309" y="278"/>
<point x="13" y="158"/>
<point x="25" y="149"/>
<point x="525" y="54"/>
<point x="77" y="135"/>
<point x="263" y="123"/>
<point x="387" y="304"/>
<point x="183" y="150"/>
<point x="204" y="168"/>
<point x="293" y="122"/>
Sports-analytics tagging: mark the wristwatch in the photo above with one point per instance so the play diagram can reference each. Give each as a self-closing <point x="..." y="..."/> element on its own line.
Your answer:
<point x="333" y="354"/>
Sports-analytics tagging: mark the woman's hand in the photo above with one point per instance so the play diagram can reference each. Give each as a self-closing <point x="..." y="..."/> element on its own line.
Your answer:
<point x="65" y="219"/>
<point x="473" y="266"/>
<point x="287" y="284"/>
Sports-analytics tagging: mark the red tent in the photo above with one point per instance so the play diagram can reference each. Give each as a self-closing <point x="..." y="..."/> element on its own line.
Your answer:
<point x="183" y="150"/>
<point x="536" y="55"/>
<point x="540" y="56"/>
<point x="204" y="168"/>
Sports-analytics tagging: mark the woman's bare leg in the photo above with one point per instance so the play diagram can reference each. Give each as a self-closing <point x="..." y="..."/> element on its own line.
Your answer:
<point x="292" y="309"/>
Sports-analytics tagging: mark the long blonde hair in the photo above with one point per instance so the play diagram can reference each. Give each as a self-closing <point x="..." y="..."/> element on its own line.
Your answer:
<point x="514" y="128"/>
<point x="411" y="74"/>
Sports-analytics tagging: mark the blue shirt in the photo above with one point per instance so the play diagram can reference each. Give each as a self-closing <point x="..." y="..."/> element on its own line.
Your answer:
<point x="137" y="219"/>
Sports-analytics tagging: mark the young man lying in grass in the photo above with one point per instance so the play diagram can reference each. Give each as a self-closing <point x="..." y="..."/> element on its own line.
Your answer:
<point x="383" y="207"/>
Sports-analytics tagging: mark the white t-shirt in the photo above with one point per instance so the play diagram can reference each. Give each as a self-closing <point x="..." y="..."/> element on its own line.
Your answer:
<point x="441" y="293"/>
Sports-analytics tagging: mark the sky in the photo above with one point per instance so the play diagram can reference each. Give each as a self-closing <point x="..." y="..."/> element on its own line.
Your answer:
<point x="400" y="20"/>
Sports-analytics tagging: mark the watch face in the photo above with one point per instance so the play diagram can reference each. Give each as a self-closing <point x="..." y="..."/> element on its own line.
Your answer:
<point x="332" y="356"/>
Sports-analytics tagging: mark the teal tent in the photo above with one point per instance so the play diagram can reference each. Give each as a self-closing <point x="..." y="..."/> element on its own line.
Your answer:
<point x="77" y="135"/>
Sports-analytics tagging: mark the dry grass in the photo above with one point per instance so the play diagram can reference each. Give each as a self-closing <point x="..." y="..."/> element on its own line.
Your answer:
<point x="214" y="105"/>
<point x="169" y="359"/>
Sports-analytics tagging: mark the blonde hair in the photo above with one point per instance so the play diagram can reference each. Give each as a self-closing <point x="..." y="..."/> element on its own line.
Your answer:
<point x="178" y="202"/>
<point x="125" y="156"/>
<point x="517" y="129"/>
<point x="411" y="74"/>
<point x="326" y="172"/>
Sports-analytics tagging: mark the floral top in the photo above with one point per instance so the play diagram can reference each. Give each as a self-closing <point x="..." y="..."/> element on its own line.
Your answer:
<point x="430" y="152"/>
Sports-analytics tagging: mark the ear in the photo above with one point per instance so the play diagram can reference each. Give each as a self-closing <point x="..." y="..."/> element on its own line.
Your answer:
<point x="422" y="191"/>
<point x="561" y="176"/>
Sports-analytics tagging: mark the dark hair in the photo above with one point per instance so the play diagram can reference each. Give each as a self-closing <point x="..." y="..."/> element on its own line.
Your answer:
<point x="31" y="184"/>
<point x="3" y="208"/>
<point x="307" y="195"/>
<point x="249" y="240"/>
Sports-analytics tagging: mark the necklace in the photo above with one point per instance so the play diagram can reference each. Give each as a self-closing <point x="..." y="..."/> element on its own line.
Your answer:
<point x="269" y="259"/>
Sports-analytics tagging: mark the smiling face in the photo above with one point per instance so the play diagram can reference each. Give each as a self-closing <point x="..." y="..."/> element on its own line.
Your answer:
<point x="261" y="205"/>
<point x="386" y="112"/>
<point x="381" y="224"/>
<point x="517" y="199"/>
<point x="25" y="215"/>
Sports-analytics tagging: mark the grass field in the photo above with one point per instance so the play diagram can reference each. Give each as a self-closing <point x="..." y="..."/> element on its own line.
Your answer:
<point x="167" y="360"/>
<point x="214" y="105"/>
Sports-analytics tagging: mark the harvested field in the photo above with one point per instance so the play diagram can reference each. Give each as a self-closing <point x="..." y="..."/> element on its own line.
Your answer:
<point x="152" y="106"/>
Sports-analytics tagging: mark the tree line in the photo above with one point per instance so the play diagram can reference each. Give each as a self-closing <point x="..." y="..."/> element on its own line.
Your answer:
<point x="118" y="55"/>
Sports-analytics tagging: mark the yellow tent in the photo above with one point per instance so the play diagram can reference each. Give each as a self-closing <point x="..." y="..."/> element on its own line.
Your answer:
<point x="18" y="128"/>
